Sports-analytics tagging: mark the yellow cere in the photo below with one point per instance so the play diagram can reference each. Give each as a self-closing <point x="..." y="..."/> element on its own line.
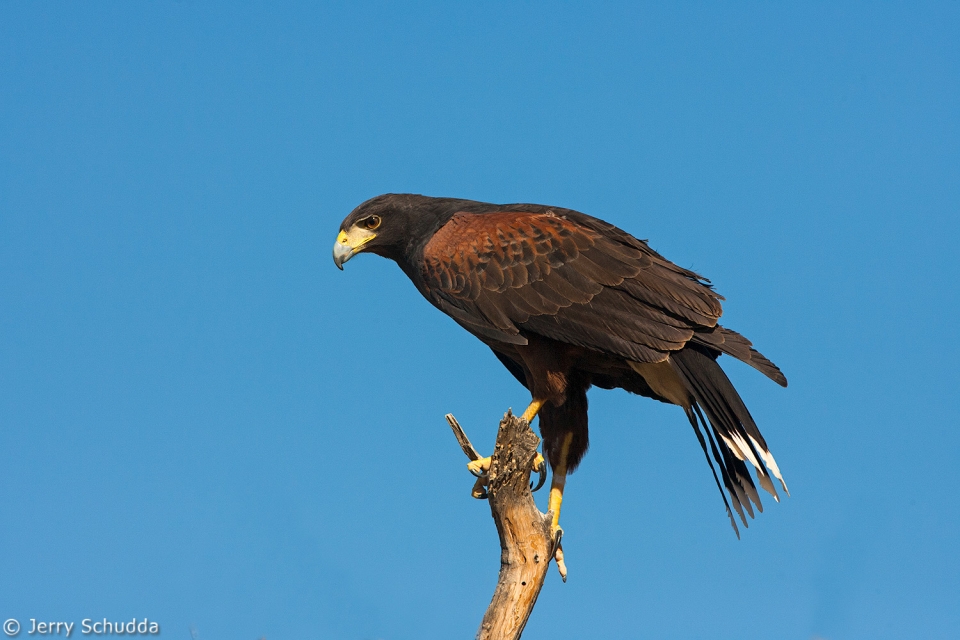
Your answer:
<point x="355" y="237"/>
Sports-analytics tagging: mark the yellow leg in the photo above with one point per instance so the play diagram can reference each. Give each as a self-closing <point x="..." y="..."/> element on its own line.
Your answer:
<point x="532" y="410"/>
<point x="539" y="464"/>
<point x="559" y="480"/>
<point x="556" y="499"/>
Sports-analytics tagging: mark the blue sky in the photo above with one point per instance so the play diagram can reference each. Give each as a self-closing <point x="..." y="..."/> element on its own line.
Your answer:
<point x="206" y="424"/>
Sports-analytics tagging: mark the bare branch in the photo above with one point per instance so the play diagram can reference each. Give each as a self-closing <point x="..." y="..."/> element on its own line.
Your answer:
<point x="526" y="543"/>
<point x="462" y="438"/>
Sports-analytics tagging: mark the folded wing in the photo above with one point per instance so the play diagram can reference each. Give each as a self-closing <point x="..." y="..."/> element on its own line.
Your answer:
<point x="589" y="285"/>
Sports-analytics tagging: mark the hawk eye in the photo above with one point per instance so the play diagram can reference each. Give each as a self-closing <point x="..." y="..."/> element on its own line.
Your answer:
<point x="370" y="223"/>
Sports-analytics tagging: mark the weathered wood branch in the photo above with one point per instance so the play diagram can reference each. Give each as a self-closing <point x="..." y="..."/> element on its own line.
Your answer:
<point x="526" y="543"/>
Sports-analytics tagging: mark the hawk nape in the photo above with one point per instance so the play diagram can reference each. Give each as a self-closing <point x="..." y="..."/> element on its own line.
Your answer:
<point x="566" y="302"/>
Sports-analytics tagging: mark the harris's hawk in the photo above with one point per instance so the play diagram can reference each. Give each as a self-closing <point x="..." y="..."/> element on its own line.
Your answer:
<point x="567" y="301"/>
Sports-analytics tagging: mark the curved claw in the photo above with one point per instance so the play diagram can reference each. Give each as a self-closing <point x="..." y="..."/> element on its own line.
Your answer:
<point x="541" y="469"/>
<point x="558" y="554"/>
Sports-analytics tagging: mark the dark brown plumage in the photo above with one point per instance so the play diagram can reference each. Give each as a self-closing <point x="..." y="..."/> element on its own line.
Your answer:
<point x="566" y="302"/>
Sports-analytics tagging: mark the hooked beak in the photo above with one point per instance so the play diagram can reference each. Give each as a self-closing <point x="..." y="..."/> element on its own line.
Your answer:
<point x="348" y="244"/>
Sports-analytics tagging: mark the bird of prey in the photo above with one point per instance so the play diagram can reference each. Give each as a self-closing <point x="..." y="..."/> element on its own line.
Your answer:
<point x="567" y="301"/>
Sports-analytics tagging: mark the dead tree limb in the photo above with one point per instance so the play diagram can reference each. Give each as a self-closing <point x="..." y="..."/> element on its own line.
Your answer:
<point x="526" y="543"/>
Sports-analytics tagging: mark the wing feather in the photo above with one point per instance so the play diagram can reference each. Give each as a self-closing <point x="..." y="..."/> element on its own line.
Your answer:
<point x="572" y="278"/>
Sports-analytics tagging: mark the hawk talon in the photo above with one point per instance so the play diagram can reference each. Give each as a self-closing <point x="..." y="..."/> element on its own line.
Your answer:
<point x="479" y="467"/>
<point x="479" y="490"/>
<point x="558" y="553"/>
<point x="540" y="466"/>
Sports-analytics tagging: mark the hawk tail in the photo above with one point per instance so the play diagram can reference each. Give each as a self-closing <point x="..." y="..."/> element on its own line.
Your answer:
<point x="729" y="432"/>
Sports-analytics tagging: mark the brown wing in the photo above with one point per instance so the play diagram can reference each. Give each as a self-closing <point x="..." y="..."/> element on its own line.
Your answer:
<point x="578" y="281"/>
